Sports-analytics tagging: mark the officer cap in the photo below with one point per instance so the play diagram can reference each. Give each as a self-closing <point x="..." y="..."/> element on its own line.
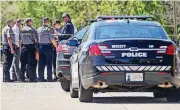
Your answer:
<point x="9" y="21"/>
<point x="57" y="21"/>
<point x="28" y="19"/>
<point x="66" y="14"/>
<point x="45" y="19"/>
<point x="19" y="20"/>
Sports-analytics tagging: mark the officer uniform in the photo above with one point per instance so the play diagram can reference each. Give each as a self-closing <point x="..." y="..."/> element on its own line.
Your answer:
<point x="68" y="28"/>
<point x="7" y="32"/>
<point x="15" y="63"/>
<point x="58" y="36"/>
<point x="45" y="52"/>
<point x="54" y="51"/>
<point x="27" y="58"/>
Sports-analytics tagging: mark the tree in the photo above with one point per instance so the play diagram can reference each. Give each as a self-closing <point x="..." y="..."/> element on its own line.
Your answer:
<point x="80" y="11"/>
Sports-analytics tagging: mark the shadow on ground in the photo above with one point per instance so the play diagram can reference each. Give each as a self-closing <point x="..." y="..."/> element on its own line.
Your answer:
<point x="130" y="100"/>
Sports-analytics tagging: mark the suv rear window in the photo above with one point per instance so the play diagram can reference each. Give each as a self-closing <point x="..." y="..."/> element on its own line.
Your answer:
<point x="80" y="34"/>
<point x="113" y="32"/>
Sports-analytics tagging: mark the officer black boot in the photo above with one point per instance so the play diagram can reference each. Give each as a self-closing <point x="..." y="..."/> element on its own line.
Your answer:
<point x="32" y="74"/>
<point x="22" y="78"/>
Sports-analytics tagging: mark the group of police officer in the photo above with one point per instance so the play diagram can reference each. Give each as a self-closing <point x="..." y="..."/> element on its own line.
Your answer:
<point x="33" y="48"/>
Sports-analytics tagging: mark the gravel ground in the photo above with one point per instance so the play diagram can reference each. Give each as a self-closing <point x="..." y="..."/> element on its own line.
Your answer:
<point x="50" y="96"/>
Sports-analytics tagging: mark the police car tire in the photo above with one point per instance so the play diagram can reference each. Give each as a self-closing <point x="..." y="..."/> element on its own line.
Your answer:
<point x="85" y="95"/>
<point x="65" y="84"/>
<point x="73" y="93"/>
<point x="173" y="95"/>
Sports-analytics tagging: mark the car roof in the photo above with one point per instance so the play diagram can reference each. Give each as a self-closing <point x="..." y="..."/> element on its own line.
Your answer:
<point x="127" y="22"/>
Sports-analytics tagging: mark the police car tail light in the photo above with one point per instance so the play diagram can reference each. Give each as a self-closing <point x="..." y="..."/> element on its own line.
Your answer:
<point x="162" y="50"/>
<point x="170" y="50"/>
<point x="104" y="49"/>
<point x="94" y="50"/>
<point x="62" y="48"/>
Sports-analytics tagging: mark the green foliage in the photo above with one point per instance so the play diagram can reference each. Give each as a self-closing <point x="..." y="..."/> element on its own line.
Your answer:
<point x="179" y="29"/>
<point x="80" y="11"/>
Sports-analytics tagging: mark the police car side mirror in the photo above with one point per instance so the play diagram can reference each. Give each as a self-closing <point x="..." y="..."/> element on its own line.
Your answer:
<point x="73" y="43"/>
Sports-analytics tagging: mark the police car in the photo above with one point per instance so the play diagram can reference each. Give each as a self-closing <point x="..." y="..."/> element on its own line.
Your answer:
<point x="124" y="55"/>
<point x="64" y="52"/>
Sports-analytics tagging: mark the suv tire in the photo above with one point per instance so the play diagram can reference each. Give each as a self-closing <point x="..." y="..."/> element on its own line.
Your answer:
<point x="65" y="84"/>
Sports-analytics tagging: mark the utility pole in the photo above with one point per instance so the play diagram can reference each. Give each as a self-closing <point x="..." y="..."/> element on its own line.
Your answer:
<point x="174" y="16"/>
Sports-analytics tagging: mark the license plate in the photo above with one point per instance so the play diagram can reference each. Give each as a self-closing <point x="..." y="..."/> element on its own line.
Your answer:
<point x="134" y="77"/>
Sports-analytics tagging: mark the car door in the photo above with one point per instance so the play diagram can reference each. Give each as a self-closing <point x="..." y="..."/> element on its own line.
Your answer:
<point x="75" y="60"/>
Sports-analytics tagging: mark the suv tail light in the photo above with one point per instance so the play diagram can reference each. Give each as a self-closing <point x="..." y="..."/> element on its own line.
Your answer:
<point x="98" y="50"/>
<point x="171" y="50"/>
<point x="62" y="48"/>
<point x="59" y="48"/>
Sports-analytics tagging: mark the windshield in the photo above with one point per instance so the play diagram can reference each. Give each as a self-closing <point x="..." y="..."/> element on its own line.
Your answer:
<point x="113" y="32"/>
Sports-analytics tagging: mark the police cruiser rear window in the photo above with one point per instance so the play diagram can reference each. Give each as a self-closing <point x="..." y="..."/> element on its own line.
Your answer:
<point x="108" y="32"/>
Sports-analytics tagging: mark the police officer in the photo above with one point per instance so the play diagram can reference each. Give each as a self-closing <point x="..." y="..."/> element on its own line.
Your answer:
<point x="68" y="29"/>
<point x="57" y="30"/>
<point x="29" y="39"/>
<point x="8" y="49"/>
<point x="15" y="65"/>
<point x="45" y="35"/>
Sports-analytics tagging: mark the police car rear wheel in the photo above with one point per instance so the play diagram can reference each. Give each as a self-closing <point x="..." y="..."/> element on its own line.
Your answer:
<point x="173" y="95"/>
<point x="65" y="84"/>
<point x="85" y="95"/>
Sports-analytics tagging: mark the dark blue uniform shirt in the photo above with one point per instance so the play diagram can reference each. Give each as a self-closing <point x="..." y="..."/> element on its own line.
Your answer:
<point x="68" y="29"/>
